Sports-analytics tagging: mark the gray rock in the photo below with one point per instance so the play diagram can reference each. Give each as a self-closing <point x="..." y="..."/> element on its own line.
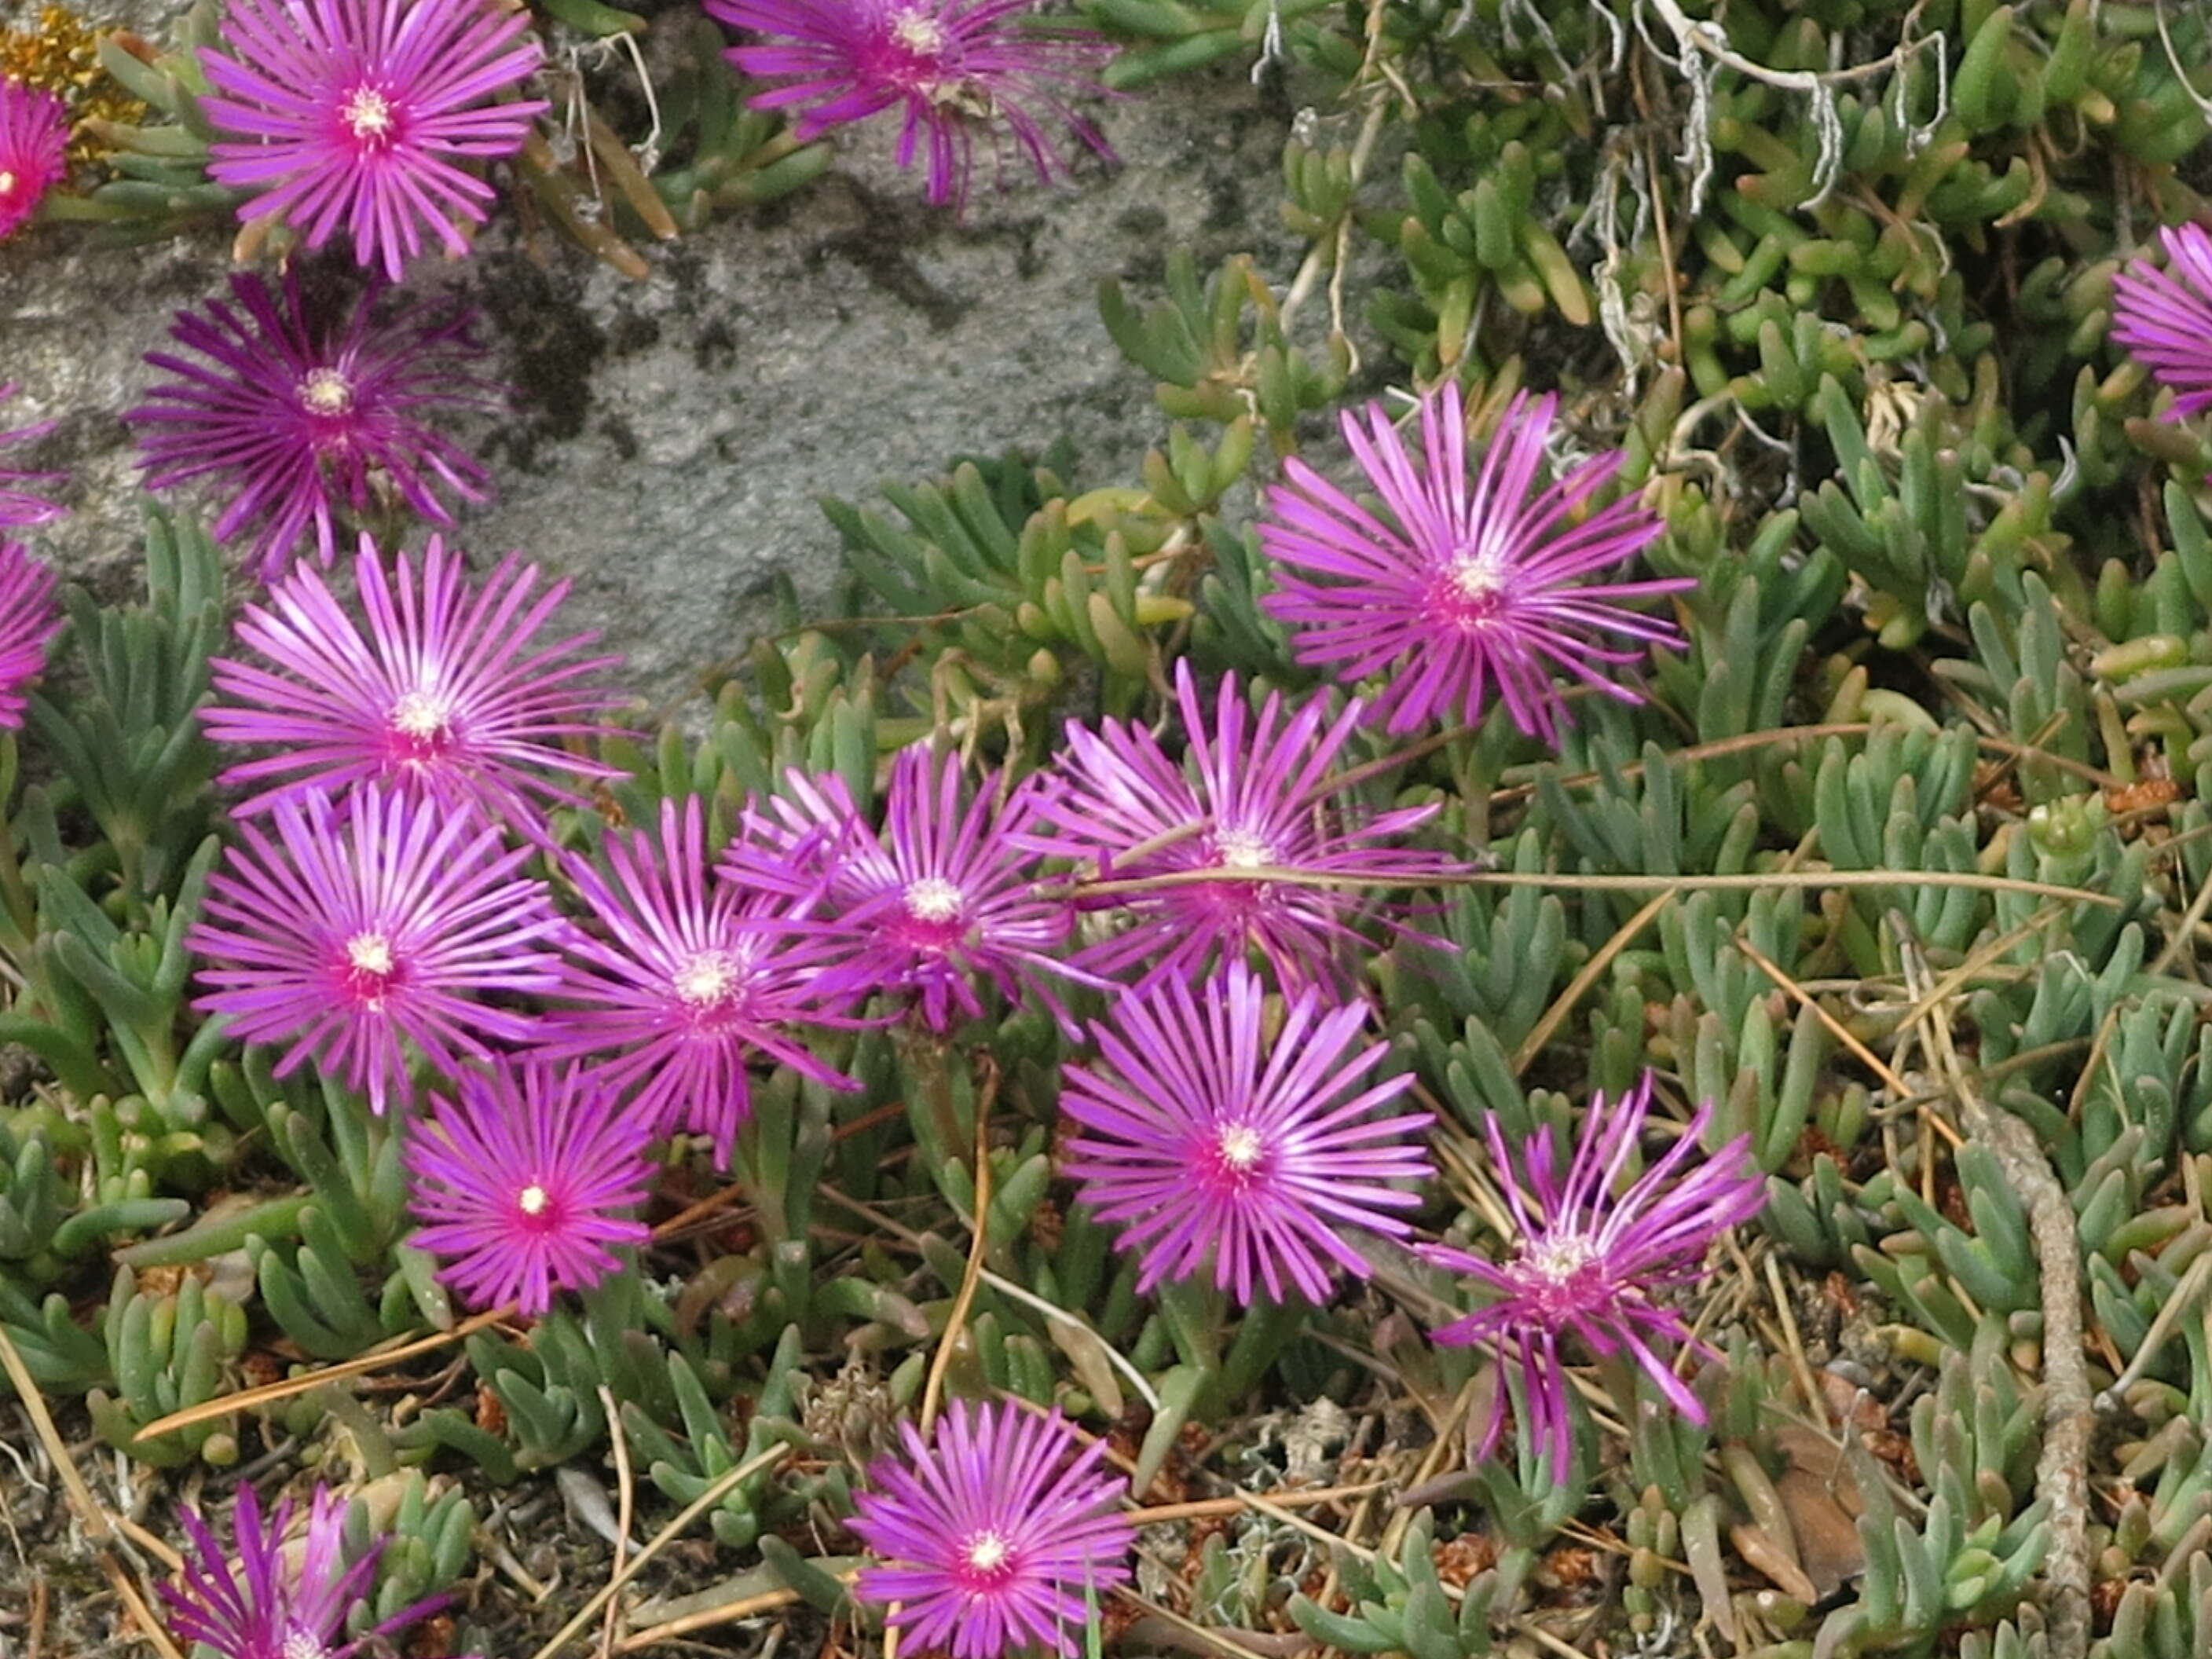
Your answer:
<point x="669" y="437"/>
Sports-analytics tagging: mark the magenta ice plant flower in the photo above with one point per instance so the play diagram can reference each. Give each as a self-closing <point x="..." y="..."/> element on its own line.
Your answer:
<point x="2165" y="316"/>
<point x="524" y="1176"/>
<point x="19" y="506"/>
<point x="28" y="621"/>
<point x="359" y="929"/>
<point x="949" y="67"/>
<point x="449" y="691"/>
<point x="943" y="895"/>
<point x="1000" y="1537"/>
<point x="34" y="151"/>
<point x="1262" y="794"/>
<point x="1214" y="1138"/>
<point x="1596" y="1260"/>
<point x="359" y="112"/>
<point x="265" y="1596"/>
<point x="1468" y="587"/>
<point x="682" y="981"/>
<point x="298" y="423"/>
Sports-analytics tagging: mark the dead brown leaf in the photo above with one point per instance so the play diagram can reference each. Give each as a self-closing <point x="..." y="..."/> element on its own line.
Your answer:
<point x="1771" y="1562"/>
<point x="1822" y="1501"/>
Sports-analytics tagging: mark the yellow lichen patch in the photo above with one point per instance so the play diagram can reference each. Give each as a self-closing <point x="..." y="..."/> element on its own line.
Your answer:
<point x="60" y="54"/>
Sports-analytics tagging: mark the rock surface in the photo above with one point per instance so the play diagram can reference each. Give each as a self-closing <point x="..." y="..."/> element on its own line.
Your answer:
<point x="669" y="438"/>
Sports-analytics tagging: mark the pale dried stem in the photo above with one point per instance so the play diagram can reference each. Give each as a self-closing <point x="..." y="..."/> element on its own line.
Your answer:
<point x="1331" y="250"/>
<point x="89" y="1510"/>
<point x="1564" y="1004"/>
<point x="1749" y="883"/>
<point x="2068" y="1417"/>
<point x="1206" y="1509"/>
<point x="1782" y="734"/>
<point x="98" y="1525"/>
<point x="625" y="1498"/>
<point x="1837" y="1028"/>
<point x="750" y="1607"/>
<point x="359" y="1365"/>
<point x="1005" y="1287"/>
<point x="956" y="1322"/>
<point x="2178" y="941"/>
<point x="1206" y="1637"/>
<point x="2176" y="1308"/>
<point x="1696" y="40"/>
<point x="668" y="1535"/>
<point x="2173" y="61"/>
<point x="1793" y="1340"/>
<point x="385" y="1355"/>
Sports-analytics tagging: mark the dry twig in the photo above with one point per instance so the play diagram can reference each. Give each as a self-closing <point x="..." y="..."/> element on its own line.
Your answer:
<point x="667" y="1535"/>
<point x="2061" y="1470"/>
<point x="1702" y="46"/>
<point x="956" y="1322"/>
<point x="360" y="1365"/>
<point x="625" y="1499"/>
<point x="1591" y="971"/>
<point x="98" y="1526"/>
<point x="1751" y="882"/>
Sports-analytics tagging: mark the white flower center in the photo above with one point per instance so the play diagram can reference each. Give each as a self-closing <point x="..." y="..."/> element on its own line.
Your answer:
<point x="533" y="1199"/>
<point x="706" y="979"/>
<point x="367" y="113"/>
<point x="933" y="899"/>
<point x="304" y="1644"/>
<point x="1240" y="1147"/>
<point x="920" y="34"/>
<point x="988" y="1551"/>
<point x="326" y="391"/>
<point x="1240" y="849"/>
<point x="370" y="953"/>
<point x="1477" y="576"/>
<point x="7" y="184"/>
<point x="1559" y="1260"/>
<point x="421" y="714"/>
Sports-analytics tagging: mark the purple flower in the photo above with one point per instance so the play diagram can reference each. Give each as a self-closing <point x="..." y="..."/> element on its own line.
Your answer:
<point x="293" y="1600"/>
<point x="34" y="151"/>
<point x="947" y="65"/>
<point x="300" y="423"/>
<point x="360" y="929"/>
<point x="28" y="622"/>
<point x="994" y="1534"/>
<point x="1262" y="798"/>
<point x="1217" y="1140"/>
<point x="526" y="1177"/>
<point x="449" y="695"/>
<point x="2165" y="316"/>
<point x="1467" y="587"/>
<point x="685" y="979"/>
<point x="354" y="112"/>
<point x="1593" y="1262"/>
<point x="17" y="505"/>
<point x="945" y="895"/>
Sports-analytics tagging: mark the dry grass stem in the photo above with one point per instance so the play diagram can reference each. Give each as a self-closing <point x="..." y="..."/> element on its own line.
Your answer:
<point x="90" y="1512"/>
<point x="730" y="1612"/>
<point x="625" y="1498"/>
<point x="661" y="1541"/>
<point x="1005" y="1287"/>
<point x="1204" y="1508"/>
<point x="1776" y="881"/>
<point x="1866" y="1057"/>
<point x="376" y="1359"/>
<point x="2069" y="1416"/>
<point x="1541" y="1033"/>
